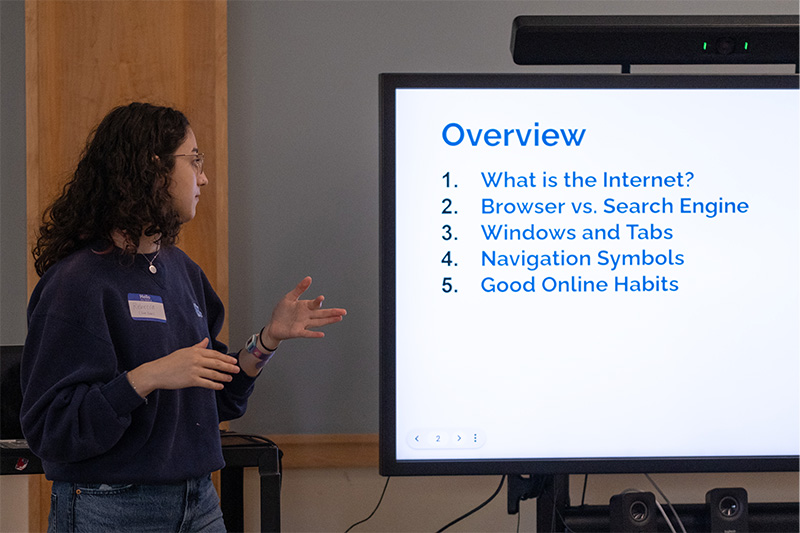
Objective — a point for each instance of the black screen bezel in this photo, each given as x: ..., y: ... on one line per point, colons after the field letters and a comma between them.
x: 389, y: 465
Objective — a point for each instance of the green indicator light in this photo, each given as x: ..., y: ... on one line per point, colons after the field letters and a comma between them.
x: 705, y: 45
x: 745, y: 45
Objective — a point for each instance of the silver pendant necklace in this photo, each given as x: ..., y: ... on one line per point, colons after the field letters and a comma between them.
x: 152, y: 268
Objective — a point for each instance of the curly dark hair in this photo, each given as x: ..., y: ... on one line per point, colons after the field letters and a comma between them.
x: 121, y: 183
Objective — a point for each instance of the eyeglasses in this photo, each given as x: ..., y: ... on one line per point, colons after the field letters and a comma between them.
x: 198, y: 161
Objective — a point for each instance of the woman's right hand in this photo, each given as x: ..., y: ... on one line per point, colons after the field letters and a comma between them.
x: 195, y: 366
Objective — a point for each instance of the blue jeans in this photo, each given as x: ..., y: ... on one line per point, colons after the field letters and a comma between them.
x: 183, y: 507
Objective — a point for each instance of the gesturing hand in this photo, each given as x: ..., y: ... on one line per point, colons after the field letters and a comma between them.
x: 195, y: 366
x: 294, y: 318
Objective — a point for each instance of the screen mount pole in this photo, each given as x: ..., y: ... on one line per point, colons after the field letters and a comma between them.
x: 551, y: 493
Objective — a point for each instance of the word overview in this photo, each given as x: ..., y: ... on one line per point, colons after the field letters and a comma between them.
x: 454, y: 134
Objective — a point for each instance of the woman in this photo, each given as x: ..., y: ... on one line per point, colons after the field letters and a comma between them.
x: 124, y: 381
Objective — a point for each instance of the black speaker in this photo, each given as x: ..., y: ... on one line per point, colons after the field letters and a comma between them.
x: 633, y: 511
x: 654, y: 40
x: 727, y: 510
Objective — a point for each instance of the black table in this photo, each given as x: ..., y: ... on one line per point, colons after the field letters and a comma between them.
x: 242, y: 451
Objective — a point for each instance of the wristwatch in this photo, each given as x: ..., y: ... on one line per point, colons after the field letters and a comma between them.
x: 252, y: 347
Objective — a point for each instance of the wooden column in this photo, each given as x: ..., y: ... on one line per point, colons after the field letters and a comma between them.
x: 85, y: 57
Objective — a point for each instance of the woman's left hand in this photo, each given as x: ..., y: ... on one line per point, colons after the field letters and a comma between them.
x: 295, y: 318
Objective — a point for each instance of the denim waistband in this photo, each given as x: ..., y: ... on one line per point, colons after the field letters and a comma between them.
x: 192, y: 505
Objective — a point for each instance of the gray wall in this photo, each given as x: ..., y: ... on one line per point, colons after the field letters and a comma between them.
x: 303, y: 115
x: 303, y: 152
x: 13, y: 252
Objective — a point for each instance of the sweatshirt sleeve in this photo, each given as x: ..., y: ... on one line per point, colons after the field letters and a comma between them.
x: 232, y: 400
x: 76, y: 403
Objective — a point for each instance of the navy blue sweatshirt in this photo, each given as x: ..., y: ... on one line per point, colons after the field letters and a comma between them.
x: 92, y: 317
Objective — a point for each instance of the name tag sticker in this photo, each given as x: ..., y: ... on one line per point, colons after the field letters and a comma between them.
x: 146, y: 307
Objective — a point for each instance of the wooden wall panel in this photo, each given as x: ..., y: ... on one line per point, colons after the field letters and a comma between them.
x: 83, y: 57
x: 328, y: 451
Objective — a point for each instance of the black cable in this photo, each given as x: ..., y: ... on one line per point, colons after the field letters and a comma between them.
x: 478, y: 508
x: 585, y: 482
x: 376, y: 507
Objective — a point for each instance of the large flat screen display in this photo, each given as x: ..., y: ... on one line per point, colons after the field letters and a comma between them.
x: 589, y: 273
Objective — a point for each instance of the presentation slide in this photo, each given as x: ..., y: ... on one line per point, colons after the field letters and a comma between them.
x: 596, y: 273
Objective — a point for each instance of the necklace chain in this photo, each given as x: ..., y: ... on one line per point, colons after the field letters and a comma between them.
x: 152, y: 268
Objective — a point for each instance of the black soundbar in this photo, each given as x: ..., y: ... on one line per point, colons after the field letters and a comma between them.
x: 655, y: 40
